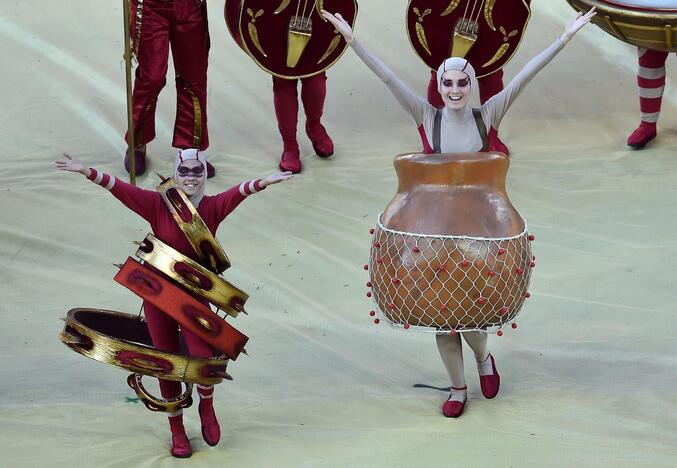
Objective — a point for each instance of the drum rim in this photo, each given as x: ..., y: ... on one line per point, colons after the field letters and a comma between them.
x: 648, y: 9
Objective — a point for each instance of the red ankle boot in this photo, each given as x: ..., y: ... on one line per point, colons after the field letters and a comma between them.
x: 291, y: 160
x: 490, y: 384
x: 180, y: 444
x: 642, y: 135
x: 322, y: 144
x: 211, y: 431
x: 139, y: 160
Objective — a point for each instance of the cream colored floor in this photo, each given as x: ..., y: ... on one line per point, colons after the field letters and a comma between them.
x: 588, y: 378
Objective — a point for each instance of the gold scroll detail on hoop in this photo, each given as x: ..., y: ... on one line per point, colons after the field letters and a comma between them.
x: 122, y: 340
x: 163, y: 405
x: 186, y: 216
x: 192, y: 275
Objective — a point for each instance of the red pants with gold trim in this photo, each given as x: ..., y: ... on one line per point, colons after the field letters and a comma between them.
x: 181, y: 24
x: 285, y: 98
x: 489, y: 86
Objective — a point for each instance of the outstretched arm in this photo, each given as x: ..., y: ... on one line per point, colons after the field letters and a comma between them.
x: 227, y: 201
x: 413, y: 104
x: 498, y: 105
x: 143, y: 202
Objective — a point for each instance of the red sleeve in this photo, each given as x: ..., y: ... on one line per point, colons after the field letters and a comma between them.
x: 226, y: 202
x: 140, y: 201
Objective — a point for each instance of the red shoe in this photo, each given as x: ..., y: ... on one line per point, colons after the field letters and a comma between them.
x: 495, y: 143
x: 291, y: 161
x: 322, y: 144
x: 642, y: 135
x: 181, y: 446
x: 211, y: 431
x: 211, y: 171
x: 453, y: 409
x: 490, y: 384
x: 139, y: 160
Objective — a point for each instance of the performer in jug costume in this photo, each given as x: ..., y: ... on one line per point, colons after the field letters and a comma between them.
x: 460, y: 130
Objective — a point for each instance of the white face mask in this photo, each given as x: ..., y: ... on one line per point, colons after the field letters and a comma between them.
x: 455, y: 89
x: 188, y: 177
x: 451, y: 82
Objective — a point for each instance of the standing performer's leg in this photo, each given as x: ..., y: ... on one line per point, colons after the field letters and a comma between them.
x: 165, y: 334
x: 313, y: 93
x: 211, y: 431
x: 451, y: 353
x: 490, y: 381
x: 491, y: 85
x: 152, y: 43
x: 190, y: 48
x: 285, y: 99
x: 651, y: 82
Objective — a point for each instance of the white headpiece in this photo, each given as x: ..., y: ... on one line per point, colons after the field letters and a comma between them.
x: 455, y: 63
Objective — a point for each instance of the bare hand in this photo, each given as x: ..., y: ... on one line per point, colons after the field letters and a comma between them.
x: 341, y: 25
x: 276, y: 178
x: 71, y: 165
x: 577, y: 23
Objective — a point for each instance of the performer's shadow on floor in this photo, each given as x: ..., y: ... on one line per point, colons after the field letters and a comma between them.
x: 441, y: 389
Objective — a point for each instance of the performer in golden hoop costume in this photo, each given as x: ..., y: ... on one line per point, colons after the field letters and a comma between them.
x: 460, y: 129
x: 190, y: 175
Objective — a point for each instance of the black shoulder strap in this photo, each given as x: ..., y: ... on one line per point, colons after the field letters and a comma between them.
x: 477, y: 113
x: 437, y: 132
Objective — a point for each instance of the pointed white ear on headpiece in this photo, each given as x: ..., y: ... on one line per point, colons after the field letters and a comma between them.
x: 455, y: 63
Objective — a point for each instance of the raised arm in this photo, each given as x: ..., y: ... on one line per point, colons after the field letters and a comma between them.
x: 497, y: 106
x: 145, y: 203
x: 415, y: 105
x: 227, y: 201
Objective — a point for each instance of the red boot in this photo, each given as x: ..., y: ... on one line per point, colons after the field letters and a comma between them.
x: 495, y: 143
x: 180, y: 444
x: 642, y: 135
x: 291, y: 160
x: 139, y: 160
x: 454, y: 408
x: 211, y: 431
x: 490, y: 384
x: 322, y: 144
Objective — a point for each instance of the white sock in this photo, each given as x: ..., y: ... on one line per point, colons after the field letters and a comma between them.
x: 458, y: 394
x: 485, y: 367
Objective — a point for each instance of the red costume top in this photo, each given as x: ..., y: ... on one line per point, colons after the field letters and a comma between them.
x: 149, y: 205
